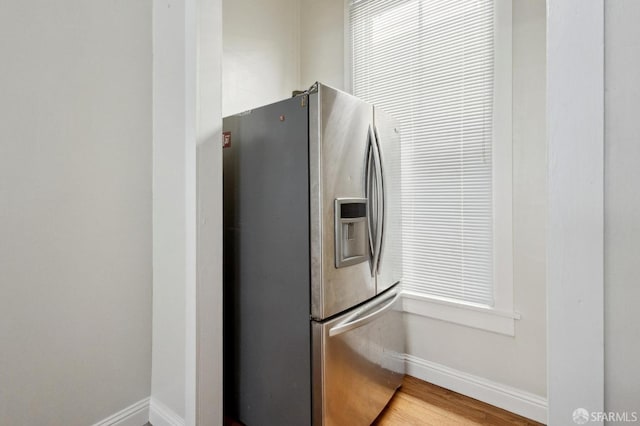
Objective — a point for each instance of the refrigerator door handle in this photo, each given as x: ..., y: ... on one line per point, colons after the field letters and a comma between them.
x: 364, y: 316
x: 372, y: 199
x: 368, y: 190
x: 379, y: 184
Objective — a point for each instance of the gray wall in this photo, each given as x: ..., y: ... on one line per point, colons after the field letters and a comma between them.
x: 622, y: 205
x: 75, y: 210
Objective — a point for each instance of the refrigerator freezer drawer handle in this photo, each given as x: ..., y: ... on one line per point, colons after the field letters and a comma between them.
x: 358, y: 321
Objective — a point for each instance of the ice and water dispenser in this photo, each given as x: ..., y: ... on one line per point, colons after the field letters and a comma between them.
x: 351, y: 231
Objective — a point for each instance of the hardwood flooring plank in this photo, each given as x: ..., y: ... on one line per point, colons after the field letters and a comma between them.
x: 423, y: 404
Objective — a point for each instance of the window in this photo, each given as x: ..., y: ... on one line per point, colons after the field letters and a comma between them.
x: 443, y: 68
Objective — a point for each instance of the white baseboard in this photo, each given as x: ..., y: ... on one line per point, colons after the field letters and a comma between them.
x: 161, y: 415
x: 511, y: 399
x: 134, y: 415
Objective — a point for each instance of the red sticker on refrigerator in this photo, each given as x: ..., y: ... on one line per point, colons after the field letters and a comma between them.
x: 226, y: 139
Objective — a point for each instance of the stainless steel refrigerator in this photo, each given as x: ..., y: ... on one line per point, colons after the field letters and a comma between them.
x: 312, y: 261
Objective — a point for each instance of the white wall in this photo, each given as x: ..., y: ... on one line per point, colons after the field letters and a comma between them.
x: 204, y: 390
x: 575, y: 248
x: 276, y: 46
x: 261, y: 52
x: 75, y: 210
x: 187, y: 213
x: 322, y: 35
x: 169, y: 205
x: 622, y: 205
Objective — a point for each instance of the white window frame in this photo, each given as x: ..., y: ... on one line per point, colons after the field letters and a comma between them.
x: 500, y: 317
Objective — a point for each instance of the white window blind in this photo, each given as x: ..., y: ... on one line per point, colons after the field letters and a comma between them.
x: 430, y: 63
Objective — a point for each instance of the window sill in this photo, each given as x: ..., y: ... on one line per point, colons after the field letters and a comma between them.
x: 468, y: 314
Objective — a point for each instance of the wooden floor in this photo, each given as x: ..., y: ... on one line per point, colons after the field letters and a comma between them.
x: 424, y: 404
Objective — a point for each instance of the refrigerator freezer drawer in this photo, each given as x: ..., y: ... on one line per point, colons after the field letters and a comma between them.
x: 357, y: 362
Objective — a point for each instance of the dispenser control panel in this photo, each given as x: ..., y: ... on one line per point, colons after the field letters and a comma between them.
x: 352, y: 234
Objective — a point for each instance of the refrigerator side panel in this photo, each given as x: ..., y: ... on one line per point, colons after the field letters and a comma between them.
x: 390, y: 263
x: 229, y: 295
x: 338, y: 141
x: 269, y: 284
